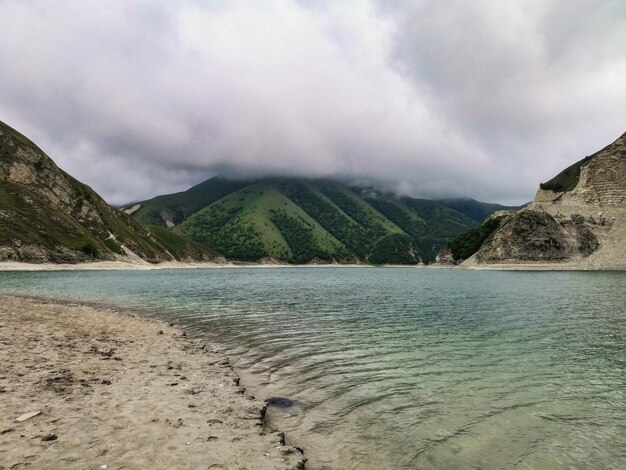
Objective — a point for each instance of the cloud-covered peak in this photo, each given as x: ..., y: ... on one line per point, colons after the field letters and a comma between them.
x: 482, y: 99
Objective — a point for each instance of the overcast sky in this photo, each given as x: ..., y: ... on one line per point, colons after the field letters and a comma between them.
x: 434, y: 98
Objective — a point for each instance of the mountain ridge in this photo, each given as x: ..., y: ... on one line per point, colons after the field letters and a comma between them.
x: 46, y: 215
x: 577, y: 219
x: 304, y: 220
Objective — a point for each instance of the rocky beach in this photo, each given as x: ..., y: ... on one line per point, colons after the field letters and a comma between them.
x: 85, y: 387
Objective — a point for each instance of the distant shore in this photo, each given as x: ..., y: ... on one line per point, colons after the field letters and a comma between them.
x: 85, y: 387
x: 145, y: 266
x: 136, y: 266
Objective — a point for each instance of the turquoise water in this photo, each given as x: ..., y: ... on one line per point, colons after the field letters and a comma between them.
x: 405, y: 368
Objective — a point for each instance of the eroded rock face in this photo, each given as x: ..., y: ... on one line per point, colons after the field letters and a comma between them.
x: 533, y: 235
x: 38, y: 254
x: 601, y: 181
x: 167, y: 218
x: 445, y: 257
x: 584, y: 222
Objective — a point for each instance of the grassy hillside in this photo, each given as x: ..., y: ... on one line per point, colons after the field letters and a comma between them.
x: 261, y: 221
x: 476, y: 210
x: 179, y: 247
x: 47, y: 215
x: 567, y: 179
x: 300, y: 220
x: 466, y: 244
x: 177, y: 207
x: 34, y: 223
x: 430, y: 224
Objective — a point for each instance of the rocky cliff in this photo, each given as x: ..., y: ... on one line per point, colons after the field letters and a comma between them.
x: 48, y: 216
x: 577, y: 218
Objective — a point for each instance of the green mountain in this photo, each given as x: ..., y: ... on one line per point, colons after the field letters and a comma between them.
x: 467, y: 243
x: 172, y: 209
x: 476, y: 210
x: 48, y: 216
x: 302, y: 220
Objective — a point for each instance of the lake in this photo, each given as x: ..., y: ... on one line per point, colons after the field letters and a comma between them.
x: 402, y: 367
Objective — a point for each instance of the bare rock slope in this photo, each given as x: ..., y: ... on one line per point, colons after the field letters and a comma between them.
x: 48, y: 216
x: 576, y: 219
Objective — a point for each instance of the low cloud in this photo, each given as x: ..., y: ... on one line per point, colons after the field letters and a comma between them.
x: 481, y: 99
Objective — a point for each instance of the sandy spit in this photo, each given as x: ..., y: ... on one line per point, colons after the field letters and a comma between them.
x: 144, y: 266
x: 128, y: 266
x: 543, y: 267
x: 84, y: 387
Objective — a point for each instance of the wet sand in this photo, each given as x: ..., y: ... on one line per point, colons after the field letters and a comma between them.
x: 108, y: 390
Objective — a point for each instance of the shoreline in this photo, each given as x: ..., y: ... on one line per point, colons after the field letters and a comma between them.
x: 7, y: 266
x: 113, y: 389
x: 14, y: 266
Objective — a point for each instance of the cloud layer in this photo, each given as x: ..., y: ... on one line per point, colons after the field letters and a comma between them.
x: 481, y: 98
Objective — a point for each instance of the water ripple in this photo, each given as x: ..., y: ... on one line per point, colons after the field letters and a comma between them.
x: 405, y: 368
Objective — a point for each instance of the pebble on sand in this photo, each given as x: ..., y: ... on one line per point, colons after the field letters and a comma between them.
x: 26, y: 416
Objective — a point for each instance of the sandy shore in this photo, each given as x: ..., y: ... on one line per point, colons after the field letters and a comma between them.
x: 542, y: 267
x: 105, y: 266
x: 133, y: 266
x: 107, y: 390
x: 143, y: 266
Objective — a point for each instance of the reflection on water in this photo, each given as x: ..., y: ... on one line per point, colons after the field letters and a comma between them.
x: 406, y: 368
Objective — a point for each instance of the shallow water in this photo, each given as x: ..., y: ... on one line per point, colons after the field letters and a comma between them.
x: 405, y: 368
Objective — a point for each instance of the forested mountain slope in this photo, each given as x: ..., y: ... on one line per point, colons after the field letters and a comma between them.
x: 303, y: 220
